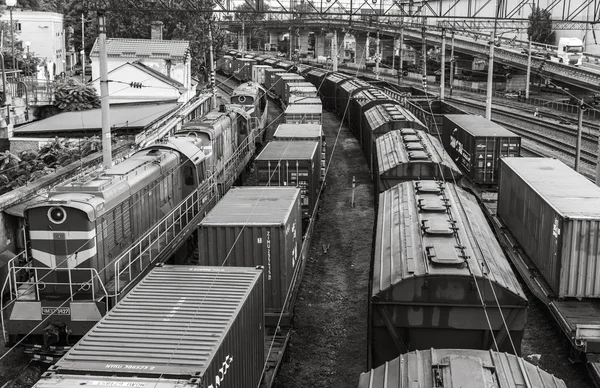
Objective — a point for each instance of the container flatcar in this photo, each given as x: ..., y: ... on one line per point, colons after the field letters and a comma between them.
x: 344, y: 94
x: 302, y: 89
x: 477, y: 144
x: 180, y: 326
x: 254, y: 226
x: 410, y: 154
x: 303, y: 114
x: 329, y: 88
x: 362, y: 101
x: 292, y: 163
x: 458, y: 368
x: 381, y: 119
x: 300, y: 100
x: 438, y: 275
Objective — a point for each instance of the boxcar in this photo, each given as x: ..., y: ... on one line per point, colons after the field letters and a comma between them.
x: 292, y: 163
x: 243, y: 69
x: 435, y: 264
x: 316, y: 76
x: 225, y: 64
x: 554, y: 214
x: 362, y: 101
x: 270, y: 78
x: 344, y: 94
x: 256, y: 226
x: 458, y: 368
x: 303, y: 114
x: 477, y: 144
x: 179, y: 324
x: 409, y: 154
x: 329, y: 88
x: 380, y: 119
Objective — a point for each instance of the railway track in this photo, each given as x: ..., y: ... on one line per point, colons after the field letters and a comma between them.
x: 222, y: 84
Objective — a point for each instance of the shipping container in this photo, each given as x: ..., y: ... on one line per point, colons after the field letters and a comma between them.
x: 458, y: 368
x: 271, y: 61
x: 435, y: 264
x: 225, y: 63
x: 344, y: 94
x: 303, y: 68
x: 316, y: 77
x: 302, y: 89
x: 243, y: 69
x: 362, y: 101
x: 298, y: 100
x: 411, y: 154
x: 299, y: 132
x: 286, y: 65
x: 477, y: 144
x: 303, y: 114
x: 261, y: 59
x: 329, y: 87
x: 270, y: 78
x: 380, y: 119
x: 554, y: 214
x: 282, y: 79
x: 179, y: 326
x: 254, y: 226
x: 258, y: 73
x: 292, y: 163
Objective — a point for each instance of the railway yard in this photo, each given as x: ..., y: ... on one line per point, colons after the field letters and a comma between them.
x: 380, y: 239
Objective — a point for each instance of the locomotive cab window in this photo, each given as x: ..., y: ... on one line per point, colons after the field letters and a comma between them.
x: 188, y: 175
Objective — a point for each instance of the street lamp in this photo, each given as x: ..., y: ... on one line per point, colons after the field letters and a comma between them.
x: 11, y: 4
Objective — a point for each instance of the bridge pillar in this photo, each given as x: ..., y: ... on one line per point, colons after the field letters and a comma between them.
x: 303, y: 41
x: 362, y: 49
x: 319, y: 45
x: 273, y: 40
x: 387, y: 48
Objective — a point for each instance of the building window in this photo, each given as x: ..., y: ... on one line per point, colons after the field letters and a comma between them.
x: 18, y: 26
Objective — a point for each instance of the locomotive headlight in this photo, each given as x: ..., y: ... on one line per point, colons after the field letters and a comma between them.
x: 57, y: 215
x: 242, y: 99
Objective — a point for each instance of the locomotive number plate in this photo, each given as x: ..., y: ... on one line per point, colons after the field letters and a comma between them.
x: 59, y: 311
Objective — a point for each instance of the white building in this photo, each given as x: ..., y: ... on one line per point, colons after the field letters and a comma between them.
x: 45, y: 32
x: 169, y: 57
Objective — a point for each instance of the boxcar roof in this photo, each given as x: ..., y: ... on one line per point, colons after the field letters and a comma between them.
x: 479, y: 126
x: 458, y: 368
x: 384, y: 113
x: 171, y: 323
x: 421, y: 227
x: 567, y: 191
x: 288, y: 150
x: 254, y: 205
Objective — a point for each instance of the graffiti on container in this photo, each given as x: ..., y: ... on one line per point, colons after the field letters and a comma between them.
x: 269, y: 255
x: 222, y: 372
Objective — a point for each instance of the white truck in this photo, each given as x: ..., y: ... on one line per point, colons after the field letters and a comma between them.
x: 569, y: 51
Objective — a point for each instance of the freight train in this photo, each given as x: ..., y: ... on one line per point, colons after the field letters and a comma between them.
x: 95, y: 235
x: 260, y: 226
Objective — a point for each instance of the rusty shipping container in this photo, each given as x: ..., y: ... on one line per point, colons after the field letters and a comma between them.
x: 180, y: 326
x: 554, y: 214
x: 477, y: 144
x: 254, y: 226
x: 411, y: 154
x: 380, y: 119
x: 433, y: 252
x: 344, y: 93
x: 458, y: 368
x: 292, y: 163
x: 303, y: 114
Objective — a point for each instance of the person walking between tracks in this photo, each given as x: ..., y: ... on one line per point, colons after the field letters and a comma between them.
x: 536, y: 113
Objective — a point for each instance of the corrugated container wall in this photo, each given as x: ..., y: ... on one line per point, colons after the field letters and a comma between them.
x: 258, y: 73
x: 554, y: 214
x: 302, y: 89
x: 256, y: 226
x: 282, y: 79
x: 244, y: 69
x: 476, y: 144
x: 328, y: 89
x: 270, y: 78
x: 303, y: 114
x: 292, y: 163
x: 299, y: 132
x: 179, y: 323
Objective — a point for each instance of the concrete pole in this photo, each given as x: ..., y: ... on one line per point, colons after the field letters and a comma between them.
x: 579, y: 130
x: 367, y: 51
x: 12, y: 39
x: 490, y: 79
x: 243, y: 37
x: 424, y: 49
x: 211, y: 58
x: 377, y: 55
x: 394, y: 53
x: 104, y: 97
x: 82, y: 49
x: 443, y: 67
x: 528, y: 77
x: 401, y: 52
x: 598, y: 164
x: 452, y: 63
x: 334, y: 51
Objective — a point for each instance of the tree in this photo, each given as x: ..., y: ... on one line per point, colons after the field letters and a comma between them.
x: 253, y: 27
x: 540, y: 26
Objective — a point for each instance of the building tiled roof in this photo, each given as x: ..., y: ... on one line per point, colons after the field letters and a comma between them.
x: 143, y: 48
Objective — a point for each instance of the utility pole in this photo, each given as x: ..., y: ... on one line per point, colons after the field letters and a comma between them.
x: 394, y: 53
x: 490, y: 79
x: 211, y: 58
x: 424, y: 56
x: 452, y: 63
x: 400, y: 58
x: 443, y: 67
x: 528, y: 76
x: 334, y: 49
x: 579, y: 130
x: 104, y: 97
x: 377, y: 56
x: 82, y: 49
x: 598, y: 164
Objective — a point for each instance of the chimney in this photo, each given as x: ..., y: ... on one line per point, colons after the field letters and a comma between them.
x: 156, y: 31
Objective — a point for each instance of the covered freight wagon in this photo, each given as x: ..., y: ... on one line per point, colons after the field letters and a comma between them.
x: 179, y: 324
x: 344, y: 94
x: 436, y: 262
x: 380, y: 119
x: 554, y: 214
x: 303, y: 114
x: 254, y: 226
x: 362, y: 101
x: 329, y: 87
x: 477, y: 144
x: 458, y: 368
x: 243, y: 69
x: 411, y: 154
x: 295, y: 164
x: 270, y: 78
x: 315, y: 76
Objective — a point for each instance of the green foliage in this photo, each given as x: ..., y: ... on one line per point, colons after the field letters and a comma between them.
x: 255, y: 31
x: 72, y: 95
x: 540, y: 26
